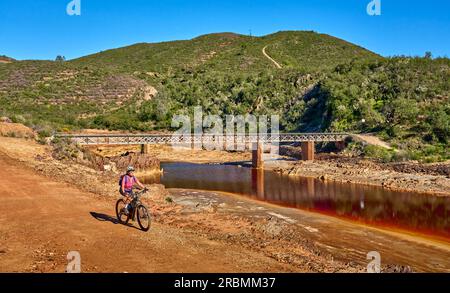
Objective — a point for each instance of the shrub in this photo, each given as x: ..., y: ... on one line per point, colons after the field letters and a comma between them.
x: 380, y: 153
x: 65, y: 149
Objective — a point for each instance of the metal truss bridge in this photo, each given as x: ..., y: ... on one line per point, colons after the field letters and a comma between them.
x: 144, y: 139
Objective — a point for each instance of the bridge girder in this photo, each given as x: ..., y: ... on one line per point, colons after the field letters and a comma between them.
x: 203, y: 139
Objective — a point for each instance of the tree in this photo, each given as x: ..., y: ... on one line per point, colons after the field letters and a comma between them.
x: 60, y: 58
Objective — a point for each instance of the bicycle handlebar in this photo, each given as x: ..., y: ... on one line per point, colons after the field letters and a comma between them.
x: 143, y: 191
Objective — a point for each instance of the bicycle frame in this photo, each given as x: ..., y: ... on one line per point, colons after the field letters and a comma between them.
x: 135, y: 203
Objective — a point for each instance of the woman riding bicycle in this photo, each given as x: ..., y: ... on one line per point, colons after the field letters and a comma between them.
x: 127, y: 182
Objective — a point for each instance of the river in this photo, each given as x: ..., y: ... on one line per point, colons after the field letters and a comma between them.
x: 419, y: 213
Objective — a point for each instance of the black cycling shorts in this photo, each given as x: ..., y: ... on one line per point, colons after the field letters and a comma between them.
x: 124, y: 193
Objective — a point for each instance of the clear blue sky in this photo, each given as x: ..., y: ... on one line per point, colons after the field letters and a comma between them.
x: 41, y: 29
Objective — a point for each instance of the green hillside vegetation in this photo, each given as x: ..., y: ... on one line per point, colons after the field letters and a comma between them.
x: 308, y: 51
x: 326, y: 84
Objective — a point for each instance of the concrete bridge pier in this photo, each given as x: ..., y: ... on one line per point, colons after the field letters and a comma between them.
x: 308, y: 151
x: 145, y: 149
x: 257, y: 156
x: 258, y: 183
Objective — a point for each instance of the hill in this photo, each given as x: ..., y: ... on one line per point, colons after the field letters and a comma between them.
x: 227, y: 51
x: 6, y: 59
x: 324, y: 84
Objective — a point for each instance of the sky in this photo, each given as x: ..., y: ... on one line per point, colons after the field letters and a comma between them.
x: 42, y: 29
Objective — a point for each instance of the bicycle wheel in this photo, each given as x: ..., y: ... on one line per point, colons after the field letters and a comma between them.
x: 121, y: 215
x: 143, y: 217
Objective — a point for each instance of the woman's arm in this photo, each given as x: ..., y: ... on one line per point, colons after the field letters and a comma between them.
x: 140, y: 184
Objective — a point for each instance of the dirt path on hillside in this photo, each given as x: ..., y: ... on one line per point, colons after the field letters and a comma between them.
x: 42, y: 220
x: 373, y: 140
x: 270, y: 58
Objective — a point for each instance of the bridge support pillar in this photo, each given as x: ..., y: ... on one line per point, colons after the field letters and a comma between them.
x: 145, y: 149
x: 257, y: 156
x: 340, y: 145
x: 258, y: 183
x: 308, y: 151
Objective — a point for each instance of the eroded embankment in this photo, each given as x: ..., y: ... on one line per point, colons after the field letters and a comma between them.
x: 144, y: 164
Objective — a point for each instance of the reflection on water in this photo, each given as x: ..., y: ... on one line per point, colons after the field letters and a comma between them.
x: 374, y: 205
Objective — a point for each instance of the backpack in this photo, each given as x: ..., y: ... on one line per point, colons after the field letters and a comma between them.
x: 121, y: 180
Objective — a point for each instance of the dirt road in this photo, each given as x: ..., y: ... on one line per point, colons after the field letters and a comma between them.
x: 270, y: 58
x: 372, y: 140
x: 41, y: 221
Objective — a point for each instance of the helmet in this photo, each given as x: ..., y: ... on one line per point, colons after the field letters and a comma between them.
x: 130, y: 169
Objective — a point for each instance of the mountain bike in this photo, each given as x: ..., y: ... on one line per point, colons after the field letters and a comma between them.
x: 138, y: 211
